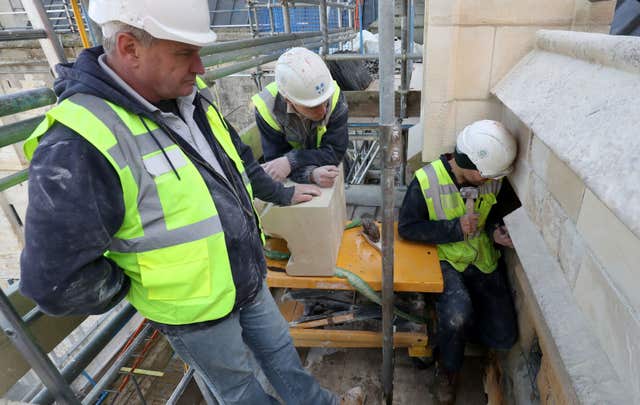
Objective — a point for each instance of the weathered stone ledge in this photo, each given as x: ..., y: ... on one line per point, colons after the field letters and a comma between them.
x: 578, y: 93
x: 620, y: 52
x: 579, y: 363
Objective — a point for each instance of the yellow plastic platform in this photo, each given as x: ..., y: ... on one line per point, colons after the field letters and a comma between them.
x: 416, y: 266
x: 416, y: 269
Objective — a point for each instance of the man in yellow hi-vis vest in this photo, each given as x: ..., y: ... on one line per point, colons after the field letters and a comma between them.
x: 140, y: 188
x: 302, y: 119
x: 476, y: 303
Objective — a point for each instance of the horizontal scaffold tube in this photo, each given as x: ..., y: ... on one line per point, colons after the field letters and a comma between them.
x: 26, y: 100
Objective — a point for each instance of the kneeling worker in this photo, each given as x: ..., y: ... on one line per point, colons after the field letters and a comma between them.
x: 476, y: 303
x: 302, y: 118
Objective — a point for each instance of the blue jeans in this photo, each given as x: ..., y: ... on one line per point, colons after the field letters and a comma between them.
x: 475, y: 307
x: 221, y: 354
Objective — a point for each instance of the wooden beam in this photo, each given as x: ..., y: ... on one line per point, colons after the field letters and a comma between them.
x: 366, y: 103
x: 353, y: 338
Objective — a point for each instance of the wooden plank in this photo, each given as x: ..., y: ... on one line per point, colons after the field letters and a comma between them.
x: 326, y: 321
x: 291, y: 310
x: 365, y: 103
x: 417, y: 267
x: 353, y: 338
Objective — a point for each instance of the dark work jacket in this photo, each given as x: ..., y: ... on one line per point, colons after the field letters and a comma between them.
x: 76, y: 206
x: 332, y: 148
x: 414, y: 223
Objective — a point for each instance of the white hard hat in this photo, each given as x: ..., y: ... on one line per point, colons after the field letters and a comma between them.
x: 303, y: 78
x: 186, y: 21
x: 489, y: 146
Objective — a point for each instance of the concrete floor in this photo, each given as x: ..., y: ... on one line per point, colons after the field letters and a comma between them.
x: 339, y: 370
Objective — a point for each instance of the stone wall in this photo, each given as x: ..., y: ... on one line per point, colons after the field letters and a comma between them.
x: 472, y: 44
x: 571, y: 104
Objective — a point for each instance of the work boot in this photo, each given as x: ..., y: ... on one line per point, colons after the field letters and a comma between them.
x: 445, y: 386
x: 354, y: 396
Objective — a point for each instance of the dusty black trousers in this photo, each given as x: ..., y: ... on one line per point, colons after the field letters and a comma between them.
x: 474, y: 307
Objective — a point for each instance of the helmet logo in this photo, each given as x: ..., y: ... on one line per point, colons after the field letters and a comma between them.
x: 482, y: 154
x: 320, y: 88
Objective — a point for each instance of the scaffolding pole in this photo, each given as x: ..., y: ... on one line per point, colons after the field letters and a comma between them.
x: 51, y: 46
x: 389, y: 158
x: 14, y: 329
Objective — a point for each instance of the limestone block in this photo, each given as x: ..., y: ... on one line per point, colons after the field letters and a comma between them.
x: 574, y: 353
x: 473, y: 62
x: 613, y: 245
x: 18, y: 196
x: 521, y: 12
x: 439, y: 68
x: 615, y: 324
x: 598, y: 29
x: 552, y: 221
x: 442, y: 12
x: 512, y: 43
x: 469, y: 111
x: 539, y: 157
x: 519, y: 130
x: 535, y: 199
x: 313, y: 230
x: 565, y: 186
x: 439, y: 129
x: 519, y: 179
x: 10, y: 248
x: 9, y: 159
x: 590, y: 12
x: 571, y: 251
x: 604, y: 69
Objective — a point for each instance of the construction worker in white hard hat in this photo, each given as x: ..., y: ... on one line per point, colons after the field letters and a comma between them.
x: 302, y: 118
x: 141, y: 189
x: 476, y: 303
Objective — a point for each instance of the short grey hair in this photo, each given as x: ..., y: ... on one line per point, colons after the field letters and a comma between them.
x: 111, y: 29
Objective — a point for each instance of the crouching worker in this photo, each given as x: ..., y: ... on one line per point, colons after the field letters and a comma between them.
x: 476, y: 303
x: 302, y: 119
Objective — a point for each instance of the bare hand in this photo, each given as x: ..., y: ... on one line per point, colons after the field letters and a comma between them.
x: 279, y: 169
x: 325, y: 176
x: 501, y: 236
x: 304, y: 192
x: 469, y: 223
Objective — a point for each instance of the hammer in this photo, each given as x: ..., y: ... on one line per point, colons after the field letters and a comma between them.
x: 469, y: 194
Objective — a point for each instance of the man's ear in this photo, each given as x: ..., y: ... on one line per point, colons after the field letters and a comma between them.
x: 128, y: 48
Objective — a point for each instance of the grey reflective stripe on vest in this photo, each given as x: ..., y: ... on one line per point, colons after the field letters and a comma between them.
x: 157, y: 164
x: 436, y: 189
x: 146, y: 144
x: 269, y: 100
x: 128, y: 152
x: 159, y: 237
x: 245, y: 178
